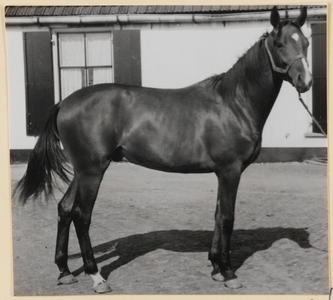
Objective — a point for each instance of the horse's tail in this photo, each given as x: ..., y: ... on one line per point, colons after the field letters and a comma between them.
x: 46, y: 160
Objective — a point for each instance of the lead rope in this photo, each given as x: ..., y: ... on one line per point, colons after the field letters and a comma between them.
x: 311, y: 115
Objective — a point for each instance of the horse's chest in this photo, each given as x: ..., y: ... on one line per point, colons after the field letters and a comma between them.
x: 227, y: 143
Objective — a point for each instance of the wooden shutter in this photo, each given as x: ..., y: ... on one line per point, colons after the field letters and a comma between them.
x: 127, y: 57
x: 39, y: 80
x: 319, y: 91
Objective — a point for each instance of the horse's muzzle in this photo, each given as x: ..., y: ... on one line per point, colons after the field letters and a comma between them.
x: 302, y: 83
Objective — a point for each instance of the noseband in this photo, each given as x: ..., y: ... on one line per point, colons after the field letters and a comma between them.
x: 277, y: 69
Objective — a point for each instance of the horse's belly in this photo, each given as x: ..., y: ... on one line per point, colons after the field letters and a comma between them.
x: 193, y: 167
x: 167, y: 158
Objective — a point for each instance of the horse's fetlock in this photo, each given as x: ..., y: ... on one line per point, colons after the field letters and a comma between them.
x: 225, y: 257
x: 64, y: 274
x: 90, y: 268
x: 214, y: 257
x: 228, y: 274
x: 213, y: 253
x: 60, y: 257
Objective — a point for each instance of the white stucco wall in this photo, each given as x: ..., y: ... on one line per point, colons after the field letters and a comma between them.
x: 173, y: 58
x: 18, y: 138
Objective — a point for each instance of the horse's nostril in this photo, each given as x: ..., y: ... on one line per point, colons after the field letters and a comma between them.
x: 304, y: 81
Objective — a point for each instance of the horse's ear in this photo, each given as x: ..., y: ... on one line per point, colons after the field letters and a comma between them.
x: 302, y: 17
x: 275, y: 17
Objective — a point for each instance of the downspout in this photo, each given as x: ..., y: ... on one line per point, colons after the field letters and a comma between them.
x: 319, y: 13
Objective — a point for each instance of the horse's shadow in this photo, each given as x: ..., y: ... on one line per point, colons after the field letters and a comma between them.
x: 244, y: 244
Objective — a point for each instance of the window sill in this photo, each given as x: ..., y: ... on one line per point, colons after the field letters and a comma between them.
x: 312, y: 135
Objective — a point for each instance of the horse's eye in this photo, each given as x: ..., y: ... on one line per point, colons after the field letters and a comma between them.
x: 279, y: 44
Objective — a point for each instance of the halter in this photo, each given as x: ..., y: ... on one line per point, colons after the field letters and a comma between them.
x: 277, y: 69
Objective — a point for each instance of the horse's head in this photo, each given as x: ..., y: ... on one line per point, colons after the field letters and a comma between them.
x: 287, y: 49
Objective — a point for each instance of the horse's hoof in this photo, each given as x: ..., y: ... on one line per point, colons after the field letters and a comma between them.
x: 233, y: 284
x: 102, y: 288
x: 217, y: 276
x: 68, y: 279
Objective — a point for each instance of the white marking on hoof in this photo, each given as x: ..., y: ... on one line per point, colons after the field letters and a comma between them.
x: 100, y: 285
x: 97, y: 278
x: 233, y: 284
x: 102, y: 288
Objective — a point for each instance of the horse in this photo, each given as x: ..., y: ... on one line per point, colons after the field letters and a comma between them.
x: 214, y: 125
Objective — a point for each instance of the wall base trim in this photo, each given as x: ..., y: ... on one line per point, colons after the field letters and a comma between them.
x: 289, y: 154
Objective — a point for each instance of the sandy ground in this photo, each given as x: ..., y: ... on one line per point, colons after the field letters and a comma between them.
x: 151, y: 233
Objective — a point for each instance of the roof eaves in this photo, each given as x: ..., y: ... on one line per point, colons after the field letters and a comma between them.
x: 32, y: 11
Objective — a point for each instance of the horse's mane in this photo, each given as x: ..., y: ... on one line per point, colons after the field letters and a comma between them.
x: 246, y: 67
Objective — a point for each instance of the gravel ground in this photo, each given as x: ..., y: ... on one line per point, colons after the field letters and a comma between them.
x: 151, y: 233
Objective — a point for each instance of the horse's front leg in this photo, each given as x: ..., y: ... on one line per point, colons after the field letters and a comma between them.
x: 219, y: 254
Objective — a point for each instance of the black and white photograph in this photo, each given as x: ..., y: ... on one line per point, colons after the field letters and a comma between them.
x: 168, y: 149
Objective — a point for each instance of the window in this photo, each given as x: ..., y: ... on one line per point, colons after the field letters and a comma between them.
x: 84, y: 59
x: 81, y: 59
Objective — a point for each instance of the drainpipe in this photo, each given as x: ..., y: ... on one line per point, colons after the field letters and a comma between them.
x: 316, y: 13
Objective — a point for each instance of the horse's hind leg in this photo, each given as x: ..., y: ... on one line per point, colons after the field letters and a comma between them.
x: 65, y: 207
x: 87, y: 188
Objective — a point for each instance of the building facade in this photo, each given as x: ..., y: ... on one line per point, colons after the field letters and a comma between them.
x: 53, y: 51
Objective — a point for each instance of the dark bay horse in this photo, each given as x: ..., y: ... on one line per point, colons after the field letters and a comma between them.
x: 212, y: 126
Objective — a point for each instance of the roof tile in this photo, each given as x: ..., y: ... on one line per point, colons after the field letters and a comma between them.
x: 21, y: 11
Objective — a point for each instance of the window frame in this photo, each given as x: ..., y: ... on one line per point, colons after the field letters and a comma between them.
x: 56, y: 57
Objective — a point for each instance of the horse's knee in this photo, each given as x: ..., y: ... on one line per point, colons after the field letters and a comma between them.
x: 227, y: 224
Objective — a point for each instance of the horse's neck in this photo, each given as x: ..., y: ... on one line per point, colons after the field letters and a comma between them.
x: 256, y: 83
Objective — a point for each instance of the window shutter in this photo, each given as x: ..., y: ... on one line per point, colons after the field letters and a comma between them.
x: 127, y: 57
x: 319, y: 92
x: 39, y: 80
